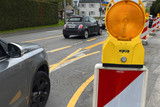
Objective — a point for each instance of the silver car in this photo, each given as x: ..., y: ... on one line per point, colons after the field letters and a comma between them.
x: 24, y: 75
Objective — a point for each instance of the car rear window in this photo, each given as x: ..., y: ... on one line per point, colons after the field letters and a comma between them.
x: 75, y: 19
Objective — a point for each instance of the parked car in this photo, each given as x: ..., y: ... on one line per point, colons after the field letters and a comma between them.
x: 103, y: 24
x: 24, y: 75
x: 82, y: 26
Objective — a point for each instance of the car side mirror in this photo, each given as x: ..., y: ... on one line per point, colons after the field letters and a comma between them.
x: 15, y: 50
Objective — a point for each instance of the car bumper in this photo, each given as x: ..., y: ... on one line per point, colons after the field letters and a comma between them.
x: 79, y: 32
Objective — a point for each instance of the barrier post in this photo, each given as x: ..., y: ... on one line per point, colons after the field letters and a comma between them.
x: 158, y: 22
x: 121, y: 79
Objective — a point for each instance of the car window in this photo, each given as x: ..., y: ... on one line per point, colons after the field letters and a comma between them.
x: 92, y: 20
x: 75, y: 19
x: 4, y: 44
x: 86, y: 19
x: 2, y: 52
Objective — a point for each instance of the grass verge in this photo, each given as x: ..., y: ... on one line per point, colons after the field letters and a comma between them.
x: 60, y: 23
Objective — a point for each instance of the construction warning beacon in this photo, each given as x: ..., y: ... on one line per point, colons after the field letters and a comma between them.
x: 124, y: 21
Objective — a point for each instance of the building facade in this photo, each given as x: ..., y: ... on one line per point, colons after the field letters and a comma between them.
x: 90, y: 8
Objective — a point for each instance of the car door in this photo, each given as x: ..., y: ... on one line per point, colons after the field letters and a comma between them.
x: 88, y: 24
x: 13, y: 81
x: 94, y: 25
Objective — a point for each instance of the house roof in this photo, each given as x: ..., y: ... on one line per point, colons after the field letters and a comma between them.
x: 69, y: 7
x: 89, y: 1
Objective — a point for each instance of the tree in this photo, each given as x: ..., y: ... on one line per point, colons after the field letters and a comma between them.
x: 155, y: 8
x: 147, y: 10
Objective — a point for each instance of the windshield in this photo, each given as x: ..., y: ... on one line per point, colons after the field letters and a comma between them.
x: 75, y: 19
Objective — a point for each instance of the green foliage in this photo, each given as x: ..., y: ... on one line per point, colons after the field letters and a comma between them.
x: 19, y: 14
x: 147, y: 10
x: 155, y: 8
x: 61, y: 2
x: 60, y: 23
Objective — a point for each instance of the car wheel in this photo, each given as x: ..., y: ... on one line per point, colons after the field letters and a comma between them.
x: 66, y: 36
x: 40, y: 90
x: 100, y: 32
x: 85, y: 34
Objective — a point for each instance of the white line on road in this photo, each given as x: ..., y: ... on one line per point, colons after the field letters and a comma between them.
x: 157, y: 70
x: 51, y: 31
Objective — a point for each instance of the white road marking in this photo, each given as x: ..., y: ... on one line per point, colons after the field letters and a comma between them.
x: 154, y: 100
x: 157, y: 70
x: 82, y: 52
x: 51, y: 31
x: 78, y: 43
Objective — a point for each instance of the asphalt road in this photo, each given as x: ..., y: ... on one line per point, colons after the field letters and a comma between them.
x: 72, y: 64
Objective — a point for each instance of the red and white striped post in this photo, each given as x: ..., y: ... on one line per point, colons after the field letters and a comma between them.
x: 158, y: 23
x: 154, y: 25
x: 145, y: 33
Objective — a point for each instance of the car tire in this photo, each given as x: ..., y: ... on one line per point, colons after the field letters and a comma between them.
x: 86, y: 34
x: 66, y: 36
x: 40, y: 90
x: 100, y: 31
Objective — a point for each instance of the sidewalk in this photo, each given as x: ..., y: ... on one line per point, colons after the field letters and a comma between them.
x: 30, y: 31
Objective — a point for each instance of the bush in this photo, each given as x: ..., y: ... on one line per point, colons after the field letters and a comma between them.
x: 23, y: 13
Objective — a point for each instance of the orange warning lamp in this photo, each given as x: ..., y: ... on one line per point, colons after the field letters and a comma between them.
x: 124, y: 21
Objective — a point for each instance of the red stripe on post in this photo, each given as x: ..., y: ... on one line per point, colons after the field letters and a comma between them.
x: 145, y: 29
x: 153, y: 30
x: 144, y: 38
x: 154, y: 25
x: 155, y: 19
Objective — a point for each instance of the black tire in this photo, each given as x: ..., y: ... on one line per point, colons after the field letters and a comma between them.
x: 40, y: 90
x: 100, y: 31
x: 86, y: 34
x: 66, y: 36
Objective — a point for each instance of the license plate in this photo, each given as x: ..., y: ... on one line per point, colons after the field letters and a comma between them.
x: 72, y: 25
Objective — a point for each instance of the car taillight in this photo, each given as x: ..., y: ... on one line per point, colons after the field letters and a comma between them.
x: 64, y: 26
x: 80, y: 26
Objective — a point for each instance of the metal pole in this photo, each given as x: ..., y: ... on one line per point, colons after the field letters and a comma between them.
x: 100, y: 7
x: 76, y: 7
x: 64, y: 11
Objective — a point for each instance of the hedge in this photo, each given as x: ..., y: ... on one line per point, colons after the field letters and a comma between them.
x: 24, y: 13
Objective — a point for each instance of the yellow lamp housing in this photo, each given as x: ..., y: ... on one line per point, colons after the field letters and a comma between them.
x: 124, y: 21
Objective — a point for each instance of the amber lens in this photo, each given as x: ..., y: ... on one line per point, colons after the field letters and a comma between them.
x: 125, y: 20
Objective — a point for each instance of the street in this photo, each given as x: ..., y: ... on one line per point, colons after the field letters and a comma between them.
x: 72, y: 64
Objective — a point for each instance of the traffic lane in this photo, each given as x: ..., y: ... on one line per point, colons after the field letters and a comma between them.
x: 32, y: 36
x: 52, y: 44
x: 65, y: 81
x: 55, y: 57
x: 57, y: 41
